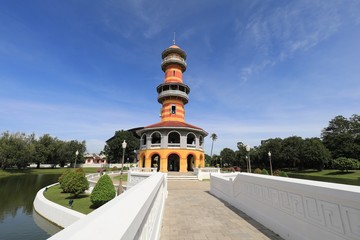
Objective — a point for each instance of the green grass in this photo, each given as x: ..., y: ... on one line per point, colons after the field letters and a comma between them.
x: 117, y: 178
x: 15, y: 172
x: 81, y: 204
x: 352, y: 177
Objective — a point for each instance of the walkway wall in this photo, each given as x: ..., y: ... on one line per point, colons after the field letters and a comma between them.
x: 135, y: 214
x: 293, y: 208
x: 53, y: 212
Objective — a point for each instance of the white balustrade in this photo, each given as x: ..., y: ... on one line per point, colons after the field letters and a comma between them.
x: 135, y: 214
x: 204, y: 173
x: 295, y: 209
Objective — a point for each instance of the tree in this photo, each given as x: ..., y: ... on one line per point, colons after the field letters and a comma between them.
x: 103, y: 191
x: 15, y: 150
x: 314, y: 154
x: 213, y: 137
x: 345, y: 164
x: 290, y: 152
x: 274, y: 146
x: 113, y: 148
x: 208, y: 160
x: 228, y: 156
x: 342, y: 137
x: 240, y: 154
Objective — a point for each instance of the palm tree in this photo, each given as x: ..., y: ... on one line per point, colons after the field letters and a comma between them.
x: 213, y: 136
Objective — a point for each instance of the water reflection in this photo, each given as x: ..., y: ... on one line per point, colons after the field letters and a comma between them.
x: 16, y: 206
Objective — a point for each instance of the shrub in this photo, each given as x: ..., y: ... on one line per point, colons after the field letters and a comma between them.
x: 103, y: 191
x: 265, y: 172
x: 63, y: 177
x: 74, y: 182
x: 80, y: 171
x: 232, y: 169
x: 277, y: 172
x: 257, y: 171
x: 114, y: 168
x: 238, y: 169
x: 283, y: 174
x: 345, y: 164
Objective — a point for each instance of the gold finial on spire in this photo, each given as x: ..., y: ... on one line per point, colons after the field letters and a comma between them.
x: 174, y: 38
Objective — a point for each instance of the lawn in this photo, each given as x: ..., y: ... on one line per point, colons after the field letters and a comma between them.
x: 81, y: 204
x: 14, y: 172
x: 117, y: 178
x: 335, y: 176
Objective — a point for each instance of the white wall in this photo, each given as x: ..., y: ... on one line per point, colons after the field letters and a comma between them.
x: 55, y: 213
x: 135, y: 214
x: 294, y: 208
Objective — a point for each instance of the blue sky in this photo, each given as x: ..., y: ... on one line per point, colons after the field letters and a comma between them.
x: 83, y: 69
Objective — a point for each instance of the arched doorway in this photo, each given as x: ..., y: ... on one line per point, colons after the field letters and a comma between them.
x: 155, y: 161
x: 143, y: 162
x: 190, y: 163
x: 173, y: 163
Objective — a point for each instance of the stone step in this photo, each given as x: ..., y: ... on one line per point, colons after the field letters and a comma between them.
x: 182, y: 178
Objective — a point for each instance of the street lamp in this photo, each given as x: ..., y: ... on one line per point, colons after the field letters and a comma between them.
x: 135, y: 156
x: 76, y: 153
x: 269, y: 154
x: 120, y: 187
x: 248, y: 151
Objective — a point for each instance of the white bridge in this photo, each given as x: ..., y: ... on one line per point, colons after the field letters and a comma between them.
x: 293, y: 208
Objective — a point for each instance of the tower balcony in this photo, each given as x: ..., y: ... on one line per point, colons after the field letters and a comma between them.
x: 173, y: 60
x: 173, y: 93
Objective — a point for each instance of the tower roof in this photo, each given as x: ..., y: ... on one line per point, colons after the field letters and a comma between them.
x: 173, y: 124
x: 173, y: 49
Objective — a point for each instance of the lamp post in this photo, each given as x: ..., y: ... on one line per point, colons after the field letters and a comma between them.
x: 135, y: 156
x: 247, y: 163
x: 269, y: 154
x: 248, y: 151
x: 120, y: 187
x: 76, y: 156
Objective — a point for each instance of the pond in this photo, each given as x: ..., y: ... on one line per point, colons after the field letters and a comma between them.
x: 18, y: 220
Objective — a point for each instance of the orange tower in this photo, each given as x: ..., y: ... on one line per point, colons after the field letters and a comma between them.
x: 172, y: 144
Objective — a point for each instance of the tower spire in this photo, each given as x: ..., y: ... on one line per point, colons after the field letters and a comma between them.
x: 174, y: 38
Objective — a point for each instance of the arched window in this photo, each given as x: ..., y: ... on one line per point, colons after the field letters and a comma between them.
x: 191, y: 139
x: 143, y: 140
x: 174, y: 137
x: 155, y: 139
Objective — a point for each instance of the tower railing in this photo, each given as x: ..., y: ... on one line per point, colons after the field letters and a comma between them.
x: 173, y: 145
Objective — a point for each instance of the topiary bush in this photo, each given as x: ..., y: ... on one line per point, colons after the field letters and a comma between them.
x: 283, y: 174
x: 63, y: 177
x: 103, y: 191
x: 265, y: 172
x: 277, y: 172
x: 257, y: 171
x: 74, y: 182
x: 80, y: 171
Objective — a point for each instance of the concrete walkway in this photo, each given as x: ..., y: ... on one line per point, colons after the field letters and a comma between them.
x: 191, y: 212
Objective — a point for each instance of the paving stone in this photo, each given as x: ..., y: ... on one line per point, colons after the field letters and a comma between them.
x: 191, y: 212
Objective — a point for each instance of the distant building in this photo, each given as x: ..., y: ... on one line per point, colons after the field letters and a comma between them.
x: 95, y: 158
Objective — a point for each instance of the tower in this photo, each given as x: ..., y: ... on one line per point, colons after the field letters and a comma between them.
x: 172, y: 144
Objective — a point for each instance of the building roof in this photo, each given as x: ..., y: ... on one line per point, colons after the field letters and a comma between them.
x: 173, y: 124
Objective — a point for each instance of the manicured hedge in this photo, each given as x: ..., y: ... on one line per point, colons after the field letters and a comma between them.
x: 103, y: 191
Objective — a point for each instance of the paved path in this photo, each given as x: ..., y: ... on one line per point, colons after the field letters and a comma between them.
x: 191, y: 212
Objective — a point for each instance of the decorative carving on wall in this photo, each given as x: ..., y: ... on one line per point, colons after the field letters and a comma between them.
x: 331, y: 216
